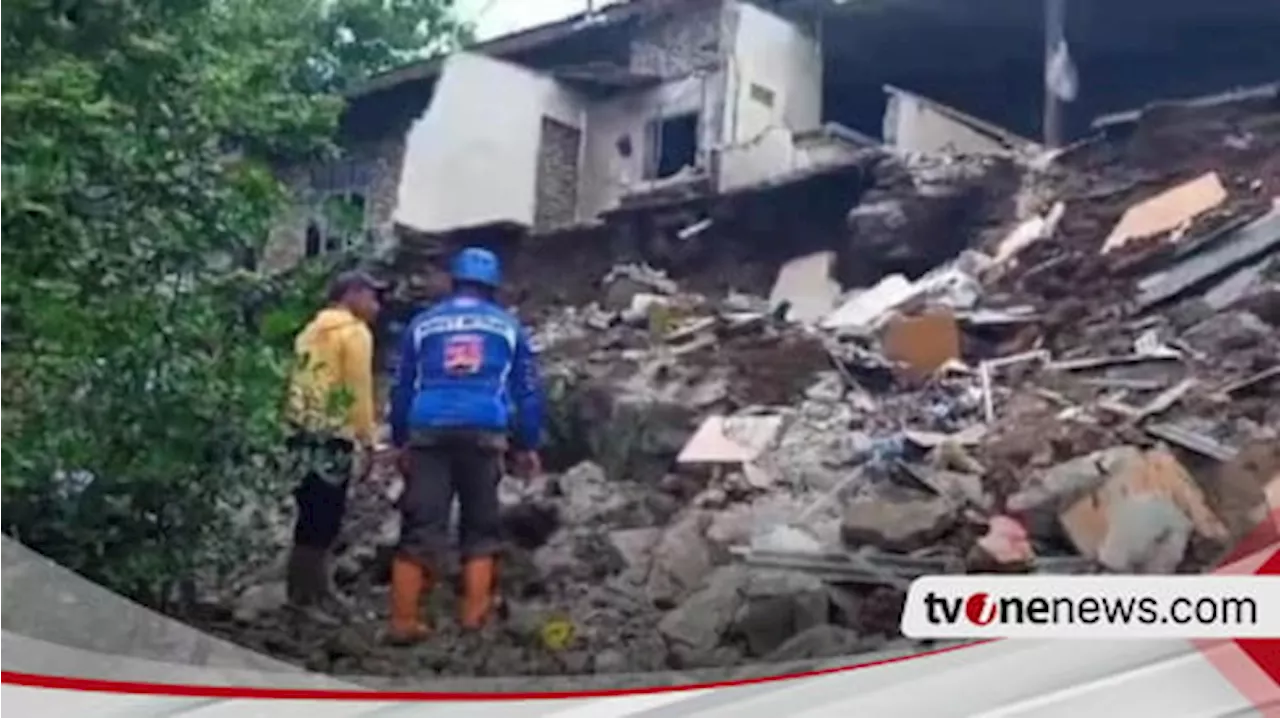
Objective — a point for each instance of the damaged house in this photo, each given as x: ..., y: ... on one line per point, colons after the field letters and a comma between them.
x: 553, y: 126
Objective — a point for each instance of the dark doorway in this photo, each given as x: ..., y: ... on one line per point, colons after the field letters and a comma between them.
x: 673, y: 144
x: 314, y: 241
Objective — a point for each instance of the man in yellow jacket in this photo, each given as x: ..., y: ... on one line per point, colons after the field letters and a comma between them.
x: 333, y: 432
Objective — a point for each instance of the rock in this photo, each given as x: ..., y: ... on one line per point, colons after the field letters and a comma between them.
x: 1158, y: 474
x: 610, y: 661
x: 786, y: 539
x: 718, y: 657
x: 589, y: 497
x: 257, y: 601
x: 1147, y: 535
x: 1043, y: 496
x: 556, y: 559
x: 1228, y: 332
x: 825, y: 641
x: 531, y: 524
x: 1006, y: 546
x: 699, y: 623
x: 958, y: 488
x: 829, y: 388
x: 355, y: 561
x: 712, y: 498
x: 778, y: 605
x: 902, y: 525
x: 731, y: 527
x: 636, y: 546
x: 681, y: 560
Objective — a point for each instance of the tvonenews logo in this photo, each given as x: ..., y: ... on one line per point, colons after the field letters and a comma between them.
x: 1093, y: 607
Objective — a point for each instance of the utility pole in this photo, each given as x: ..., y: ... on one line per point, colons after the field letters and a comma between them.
x: 1055, y: 15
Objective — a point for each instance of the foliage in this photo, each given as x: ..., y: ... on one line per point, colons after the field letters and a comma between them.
x: 144, y: 372
x: 364, y: 38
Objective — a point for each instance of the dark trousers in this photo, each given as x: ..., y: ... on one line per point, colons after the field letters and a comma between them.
x: 324, y: 464
x: 444, y: 465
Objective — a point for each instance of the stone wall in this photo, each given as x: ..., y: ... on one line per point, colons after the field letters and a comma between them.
x: 679, y: 43
x: 369, y: 168
x: 556, y: 188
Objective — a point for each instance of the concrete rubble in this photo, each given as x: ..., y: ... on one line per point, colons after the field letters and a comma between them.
x: 738, y: 477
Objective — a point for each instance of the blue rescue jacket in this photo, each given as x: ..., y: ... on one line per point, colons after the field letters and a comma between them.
x: 466, y: 363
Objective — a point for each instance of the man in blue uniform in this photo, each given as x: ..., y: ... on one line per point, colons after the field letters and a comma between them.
x: 467, y: 381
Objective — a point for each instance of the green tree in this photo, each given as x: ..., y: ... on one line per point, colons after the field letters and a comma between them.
x: 141, y: 400
x: 364, y: 37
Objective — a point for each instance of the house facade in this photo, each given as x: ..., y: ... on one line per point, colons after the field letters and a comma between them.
x: 554, y: 126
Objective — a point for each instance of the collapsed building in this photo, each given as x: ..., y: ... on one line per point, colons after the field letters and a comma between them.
x: 778, y: 400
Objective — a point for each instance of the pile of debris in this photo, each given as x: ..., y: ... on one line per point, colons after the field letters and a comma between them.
x: 741, y: 479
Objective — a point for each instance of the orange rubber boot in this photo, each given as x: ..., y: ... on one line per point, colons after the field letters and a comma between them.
x: 409, y: 581
x: 477, y: 592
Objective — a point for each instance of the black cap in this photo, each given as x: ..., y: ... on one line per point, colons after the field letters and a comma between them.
x: 354, y: 279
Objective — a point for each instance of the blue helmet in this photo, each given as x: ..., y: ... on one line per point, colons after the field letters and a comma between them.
x: 474, y: 264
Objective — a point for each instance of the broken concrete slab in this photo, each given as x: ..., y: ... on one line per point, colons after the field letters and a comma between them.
x: 922, y: 342
x: 968, y: 436
x: 901, y: 525
x: 805, y: 284
x: 1167, y: 211
x: 1029, y: 232
x: 1157, y: 473
x: 1145, y: 535
x: 860, y: 312
x: 730, y: 440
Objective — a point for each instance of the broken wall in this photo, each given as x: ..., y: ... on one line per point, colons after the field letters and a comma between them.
x: 472, y: 159
x: 774, y: 75
x: 368, y: 168
x: 681, y: 46
x: 615, y: 145
x: 774, y: 92
x: 914, y: 124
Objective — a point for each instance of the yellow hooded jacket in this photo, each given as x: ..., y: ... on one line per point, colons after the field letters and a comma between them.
x: 332, y: 386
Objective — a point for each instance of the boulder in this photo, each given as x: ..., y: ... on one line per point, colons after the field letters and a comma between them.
x: 681, y: 559
x: 777, y: 606
x: 1045, y: 495
x: 589, y: 497
x: 1228, y: 332
x: 824, y: 641
x: 1146, y: 535
x: 898, y: 525
x: 259, y: 600
x: 698, y: 625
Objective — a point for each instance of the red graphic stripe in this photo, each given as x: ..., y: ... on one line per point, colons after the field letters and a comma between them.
x: 36, y: 680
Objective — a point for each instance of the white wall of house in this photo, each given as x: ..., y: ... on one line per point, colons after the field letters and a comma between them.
x: 774, y: 75
x: 608, y: 174
x: 471, y: 159
x: 914, y: 124
x: 773, y: 93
